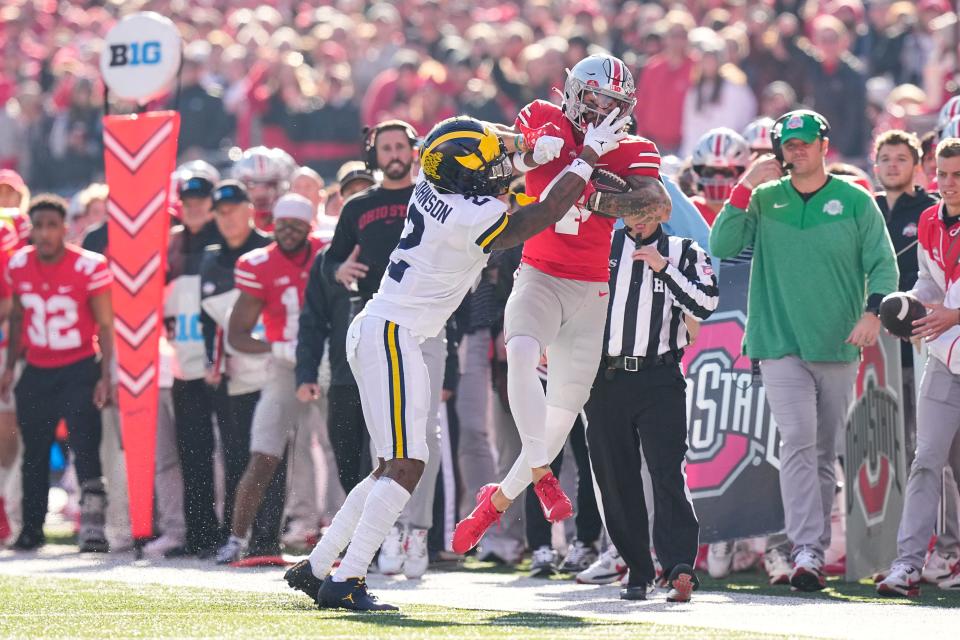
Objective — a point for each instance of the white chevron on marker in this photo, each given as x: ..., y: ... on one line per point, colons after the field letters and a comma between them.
x: 133, y: 283
x: 134, y: 162
x: 135, y: 337
x: 132, y: 225
x: 135, y: 385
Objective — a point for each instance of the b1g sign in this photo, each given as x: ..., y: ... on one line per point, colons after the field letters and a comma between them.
x: 875, y: 464
x: 141, y: 57
x: 733, y: 464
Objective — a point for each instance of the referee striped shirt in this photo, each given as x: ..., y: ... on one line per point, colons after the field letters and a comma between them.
x: 646, y: 309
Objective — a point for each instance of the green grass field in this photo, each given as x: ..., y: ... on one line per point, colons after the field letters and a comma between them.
x: 48, y: 608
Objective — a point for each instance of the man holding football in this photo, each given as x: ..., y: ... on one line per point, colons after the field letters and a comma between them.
x: 559, y: 301
x: 938, y: 400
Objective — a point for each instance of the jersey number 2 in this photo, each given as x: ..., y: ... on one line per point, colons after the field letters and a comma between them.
x: 412, y: 236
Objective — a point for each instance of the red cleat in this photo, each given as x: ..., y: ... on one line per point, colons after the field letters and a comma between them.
x: 554, y: 502
x: 468, y: 531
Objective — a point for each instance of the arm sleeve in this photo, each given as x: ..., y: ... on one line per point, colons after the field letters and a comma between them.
x: 246, y: 278
x: 926, y: 289
x: 694, y: 288
x: 344, y: 239
x: 314, y: 325
x: 877, y: 256
x: 736, y: 226
x: 643, y: 158
x: 100, y: 278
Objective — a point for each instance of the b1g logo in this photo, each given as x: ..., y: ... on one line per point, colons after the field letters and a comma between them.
x: 730, y: 427
x: 873, y: 440
x: 135, y: 54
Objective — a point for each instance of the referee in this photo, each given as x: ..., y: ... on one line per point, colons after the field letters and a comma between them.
x: 639, y: 397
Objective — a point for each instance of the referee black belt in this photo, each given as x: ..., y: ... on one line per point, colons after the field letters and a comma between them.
x: 637, y: 363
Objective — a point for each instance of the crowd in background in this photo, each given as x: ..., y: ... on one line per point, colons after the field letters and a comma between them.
x: 307, y: 78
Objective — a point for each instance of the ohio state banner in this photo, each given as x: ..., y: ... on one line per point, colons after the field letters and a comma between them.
x: 733, y: 464
x: 139, y: 157
x: 875, y: 461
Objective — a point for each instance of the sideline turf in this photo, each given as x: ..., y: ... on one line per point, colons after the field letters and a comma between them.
x: 53, y: 608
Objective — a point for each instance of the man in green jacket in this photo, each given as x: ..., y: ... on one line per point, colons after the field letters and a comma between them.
x: 822, y: 262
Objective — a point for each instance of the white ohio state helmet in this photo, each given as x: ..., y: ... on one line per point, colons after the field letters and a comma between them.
x: 260, y: 164
x: 757, y: 134
x: 604, y: 75
x: 948, y: 112
x: 951, y: 129
x: 719, y: 159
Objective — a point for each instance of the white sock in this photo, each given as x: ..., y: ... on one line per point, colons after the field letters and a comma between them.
x: 383, y: 507
x: 338, y: 533
x: 559, y: 422
x: 528, y: 403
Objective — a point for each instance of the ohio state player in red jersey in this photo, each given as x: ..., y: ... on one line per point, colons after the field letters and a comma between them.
x: 271, y: 282
x: 61, y: 311
x: 559, y: 301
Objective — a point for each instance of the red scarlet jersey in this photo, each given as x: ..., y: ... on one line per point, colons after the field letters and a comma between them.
x: 706, y: 212
x: 58, y: 322
x: 278, y: 281
x: 578, y: 246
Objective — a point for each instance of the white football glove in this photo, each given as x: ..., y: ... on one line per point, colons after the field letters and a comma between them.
x: 606, y: 136
x: 285, y: 352
x: 546, y: 149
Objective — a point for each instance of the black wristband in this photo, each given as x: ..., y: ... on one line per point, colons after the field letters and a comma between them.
x: 873, y: 303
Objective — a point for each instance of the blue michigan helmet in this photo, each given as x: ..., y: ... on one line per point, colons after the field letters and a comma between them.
x: 460, y: 155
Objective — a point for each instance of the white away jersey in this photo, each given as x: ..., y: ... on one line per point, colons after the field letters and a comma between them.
x: 444, y: 247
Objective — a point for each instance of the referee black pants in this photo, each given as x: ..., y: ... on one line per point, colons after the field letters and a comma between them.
x: 348, y: 435
x: 626, y: 411
x: 44, y: 396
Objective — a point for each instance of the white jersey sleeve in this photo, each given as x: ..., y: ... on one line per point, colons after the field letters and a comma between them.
x: 444, y: 247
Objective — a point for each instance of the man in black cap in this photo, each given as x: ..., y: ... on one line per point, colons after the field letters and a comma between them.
x: 192, y: 398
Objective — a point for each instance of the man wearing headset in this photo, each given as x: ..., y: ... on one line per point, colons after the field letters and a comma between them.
x: 822, y: 262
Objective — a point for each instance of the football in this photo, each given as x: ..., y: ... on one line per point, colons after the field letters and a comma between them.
x: 898, y: 312
x: 605, y: 181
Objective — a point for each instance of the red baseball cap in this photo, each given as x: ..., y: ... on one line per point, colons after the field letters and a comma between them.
x: 12, y: 178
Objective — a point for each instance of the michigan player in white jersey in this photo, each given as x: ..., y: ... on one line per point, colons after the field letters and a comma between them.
x: 454, y: 220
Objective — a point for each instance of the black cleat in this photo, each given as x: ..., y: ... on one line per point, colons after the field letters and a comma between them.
x: 635, y: 592
x: 350, y: 594
x: 28, y: 541
x: 300, y: 577
x: 682, y: 582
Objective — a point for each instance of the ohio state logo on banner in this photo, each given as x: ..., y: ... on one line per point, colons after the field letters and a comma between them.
x: 732, y: 427
x: 733, y: 444
x: 875, y: 461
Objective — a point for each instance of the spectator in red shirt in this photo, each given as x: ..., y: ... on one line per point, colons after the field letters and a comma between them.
x: 664, y: 83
